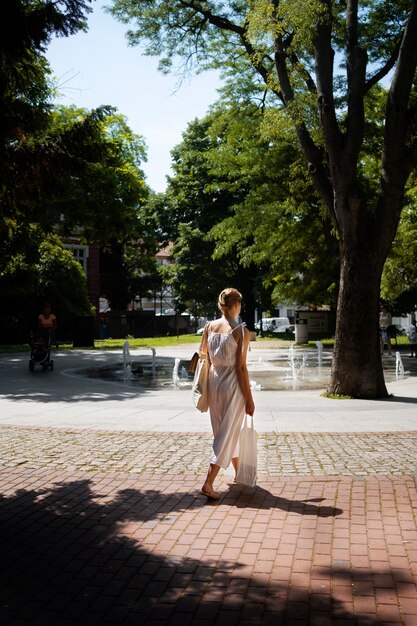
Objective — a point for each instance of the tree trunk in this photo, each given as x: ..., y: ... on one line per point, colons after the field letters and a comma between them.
x: 357, y: 367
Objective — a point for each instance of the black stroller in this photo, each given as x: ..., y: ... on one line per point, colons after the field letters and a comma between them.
x: 40, y: 349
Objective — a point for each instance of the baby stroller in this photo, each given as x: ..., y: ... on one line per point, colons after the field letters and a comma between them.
x: 40, y: 349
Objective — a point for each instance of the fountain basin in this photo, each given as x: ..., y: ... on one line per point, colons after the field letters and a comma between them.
x: 273, y: 371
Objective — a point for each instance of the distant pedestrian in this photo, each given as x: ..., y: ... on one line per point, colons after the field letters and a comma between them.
x: 412, y: 337
x: 385, y: 320
x: 47, y: 319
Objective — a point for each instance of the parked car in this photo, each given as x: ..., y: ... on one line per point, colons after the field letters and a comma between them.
x: 275, y: 325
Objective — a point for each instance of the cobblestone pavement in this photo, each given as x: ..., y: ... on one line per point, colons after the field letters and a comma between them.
x: 280, y: 454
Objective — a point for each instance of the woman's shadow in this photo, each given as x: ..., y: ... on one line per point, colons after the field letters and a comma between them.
x: 259, y: 498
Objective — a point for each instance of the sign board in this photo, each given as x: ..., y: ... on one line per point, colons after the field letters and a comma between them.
x: 320, y: 323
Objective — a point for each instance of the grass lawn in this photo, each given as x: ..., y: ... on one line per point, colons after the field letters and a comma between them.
x: 155, y: 342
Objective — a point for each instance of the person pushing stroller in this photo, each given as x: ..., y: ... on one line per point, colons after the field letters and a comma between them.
x: 47, y: 320
x: 41, y: 340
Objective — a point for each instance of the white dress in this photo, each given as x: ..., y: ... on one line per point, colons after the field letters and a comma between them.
x: 226, y: 400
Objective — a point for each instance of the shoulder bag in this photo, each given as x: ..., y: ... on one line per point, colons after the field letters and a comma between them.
x: 199, y: 387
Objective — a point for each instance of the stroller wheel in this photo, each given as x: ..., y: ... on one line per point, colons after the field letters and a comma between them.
x: 31, y: 365
x: 51, y: 364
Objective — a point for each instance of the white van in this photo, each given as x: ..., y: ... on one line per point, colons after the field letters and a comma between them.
x: 275, y: 325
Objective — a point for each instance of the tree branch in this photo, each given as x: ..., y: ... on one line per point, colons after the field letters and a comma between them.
x: 308, y: 79
x: 384, y: 70
x: 397, y: 122
x: 311, y: 152
x: 223, y: 23
x: 356, y: 61
x: 324, y: 58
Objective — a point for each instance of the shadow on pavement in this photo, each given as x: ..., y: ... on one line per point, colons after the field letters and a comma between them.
x: 259, y: 498
x: 69, y: 381
x: 67, y: 558
x: 394, y: 398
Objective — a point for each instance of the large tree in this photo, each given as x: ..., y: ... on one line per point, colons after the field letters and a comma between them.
x: 320, y: 59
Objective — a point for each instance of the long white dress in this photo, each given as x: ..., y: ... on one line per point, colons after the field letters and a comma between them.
x: 226, y: 400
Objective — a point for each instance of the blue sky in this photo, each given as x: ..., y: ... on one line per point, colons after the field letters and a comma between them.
x: 98, y: 67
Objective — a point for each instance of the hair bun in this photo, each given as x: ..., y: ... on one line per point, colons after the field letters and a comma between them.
x: 228, y: 297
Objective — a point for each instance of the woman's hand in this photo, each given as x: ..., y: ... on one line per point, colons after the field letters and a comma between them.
x: 249, y: 407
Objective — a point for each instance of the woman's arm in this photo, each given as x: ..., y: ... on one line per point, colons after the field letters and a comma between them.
x: 203, y: 345
x: 242, y: 371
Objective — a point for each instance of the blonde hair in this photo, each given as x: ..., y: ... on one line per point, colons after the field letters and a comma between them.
x: 228, y: 297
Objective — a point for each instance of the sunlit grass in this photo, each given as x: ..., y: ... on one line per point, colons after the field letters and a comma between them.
x: 113, y: 344
x: 158, y: 342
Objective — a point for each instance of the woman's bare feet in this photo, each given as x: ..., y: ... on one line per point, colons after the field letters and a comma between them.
x: 209, y: 492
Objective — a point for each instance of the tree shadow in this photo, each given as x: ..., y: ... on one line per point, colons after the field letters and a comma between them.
x: 67, y: 558
x: 406, y: 399
x: 75, y: 379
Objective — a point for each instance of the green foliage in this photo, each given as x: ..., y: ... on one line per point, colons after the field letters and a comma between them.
x: 61, y: 281
x: 66, y: 171
x: 399, y: 279
x: 41, y: 270
x: 278, y: 225
x: 26, y: 28
x: 193, y: 202
x: 240, y: 211
x: 97, y: 186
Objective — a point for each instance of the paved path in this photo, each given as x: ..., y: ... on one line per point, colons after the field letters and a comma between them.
x: 63, y: 398
x: 102, y: 521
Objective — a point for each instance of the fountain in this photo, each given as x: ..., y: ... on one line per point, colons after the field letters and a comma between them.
x: 286, y: 369
x: 399, y: 366
x: 127, y: 362
x: 175, y: 376
x: 291, y: 360
x: 153, y: 362
x: 297, y: 366
x: 319, y: 352
x: 180, y: 377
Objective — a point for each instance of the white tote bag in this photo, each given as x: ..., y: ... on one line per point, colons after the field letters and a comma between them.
x: 248, y: 455
x: 199, y: 387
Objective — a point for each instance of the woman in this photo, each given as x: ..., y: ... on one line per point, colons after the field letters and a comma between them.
x: 230, y: 397
x: 385, y: 320
x: 47, y: 319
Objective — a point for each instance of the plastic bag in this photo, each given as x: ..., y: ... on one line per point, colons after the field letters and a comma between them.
x: 248, y: 455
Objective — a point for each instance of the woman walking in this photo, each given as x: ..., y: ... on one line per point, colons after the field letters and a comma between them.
x: 226, y: 342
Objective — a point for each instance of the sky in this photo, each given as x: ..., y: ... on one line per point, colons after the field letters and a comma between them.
x: 98, y: 67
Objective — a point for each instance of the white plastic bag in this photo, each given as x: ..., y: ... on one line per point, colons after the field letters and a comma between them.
x: 248, y: 456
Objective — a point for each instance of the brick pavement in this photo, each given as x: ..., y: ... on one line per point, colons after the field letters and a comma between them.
x: 110, y: 529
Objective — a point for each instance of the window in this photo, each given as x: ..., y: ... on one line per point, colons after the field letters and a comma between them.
x: 80, y: 253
